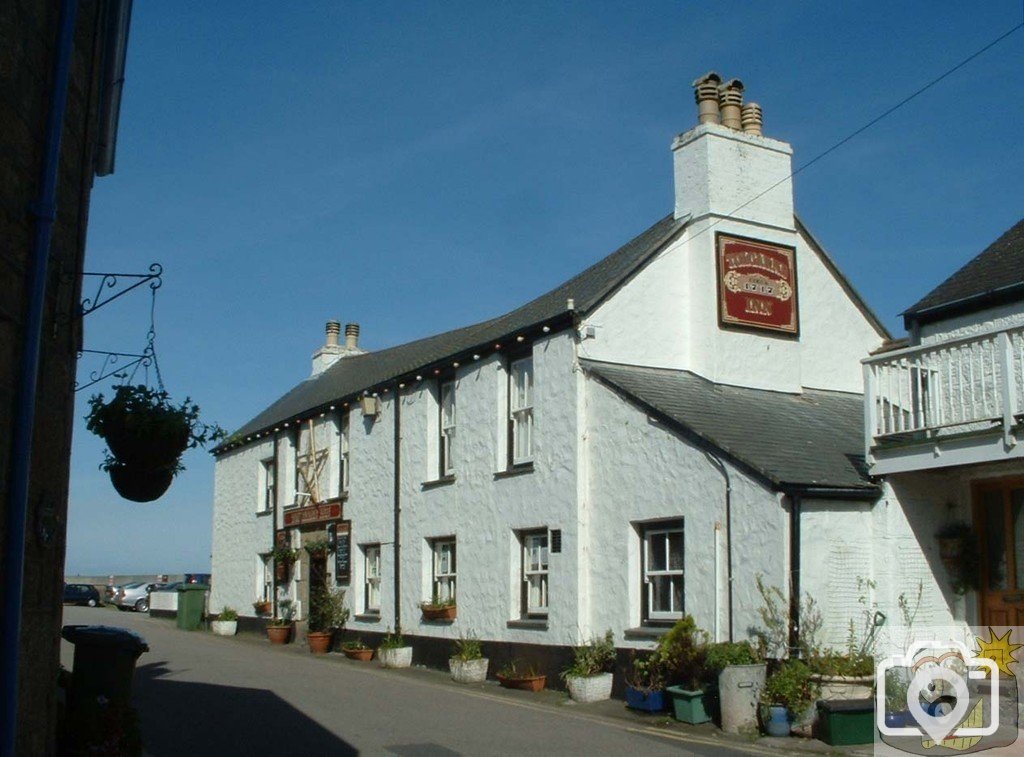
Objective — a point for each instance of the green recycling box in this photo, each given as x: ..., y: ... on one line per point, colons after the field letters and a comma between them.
x: 845, y: 722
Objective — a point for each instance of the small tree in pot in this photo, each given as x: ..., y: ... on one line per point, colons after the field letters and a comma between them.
x: 468, y: 664
x: 146, y: 435
x: 684, y: 650
x: 279, y: 630
x: 589, y: 678
x: 327, y: 613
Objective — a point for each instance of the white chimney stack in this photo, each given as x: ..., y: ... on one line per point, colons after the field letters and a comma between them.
x: 332, y: 351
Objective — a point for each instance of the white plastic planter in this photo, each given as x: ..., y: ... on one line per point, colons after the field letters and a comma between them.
x: 224, y: 627
x: 590, y: 688
x: 845, y: 687
x: 468, y: 671
x: 739, y: 690
x: 395, y: 658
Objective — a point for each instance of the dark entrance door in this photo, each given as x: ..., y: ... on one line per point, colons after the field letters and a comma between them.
x: 999, y: 518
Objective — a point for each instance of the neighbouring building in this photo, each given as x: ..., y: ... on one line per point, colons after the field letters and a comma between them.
x: 943, y: 412
x: 644, y: 441
x: 61, y: 74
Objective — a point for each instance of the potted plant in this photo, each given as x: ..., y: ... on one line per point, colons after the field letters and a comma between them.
x: 843, y: 675
x: 283, y: 559
x: 589, y: 678
x: 327, y: 613
x: 468, y: 664
x: 355, y: 649
x: 517, y: 675
x: 958, y: 550
x: 438, y: 609
x: 786, y: 695
x: 318, y: 548
x: 226, y: 623
x: 146, y: 435
x: 393, y: 652
x: 645, y: 682
x: 684, y: 649
x: 740, y: 673
x: 897, y: 709
x: 279, y: 630
x: 262, y: 606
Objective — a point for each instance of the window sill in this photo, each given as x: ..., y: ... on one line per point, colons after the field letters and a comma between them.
x: 529, y: 624
x: 436, y: 483
x: 646, y: 632
x: 515, y: 470
x: 368, y: 617
x: 262, y: 513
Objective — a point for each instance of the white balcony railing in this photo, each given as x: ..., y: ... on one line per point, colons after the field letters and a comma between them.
x: 961, y: 385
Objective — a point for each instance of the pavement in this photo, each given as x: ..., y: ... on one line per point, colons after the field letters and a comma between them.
x: 199, y: 694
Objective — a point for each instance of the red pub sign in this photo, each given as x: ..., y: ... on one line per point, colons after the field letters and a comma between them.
x: 756, y: 284
x: 304, y: 516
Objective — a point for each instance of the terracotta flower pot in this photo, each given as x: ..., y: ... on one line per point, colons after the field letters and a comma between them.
x: 140, y: 484
x: 439, y: 613
x: 262, y: 608
x: 526, y: 683
x: 319, y: 641
x: 364, y: 655
x: 279, y: 634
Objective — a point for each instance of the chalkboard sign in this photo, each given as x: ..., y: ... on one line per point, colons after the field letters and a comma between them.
x: 343, y: 558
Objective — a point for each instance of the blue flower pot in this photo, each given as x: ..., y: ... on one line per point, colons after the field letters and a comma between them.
x: 899, y: 719
x: 647, y: 702
x: 777, y: 721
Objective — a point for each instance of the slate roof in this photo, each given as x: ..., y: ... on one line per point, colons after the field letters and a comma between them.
x: 999, y: 269
x: 352, y: 375
x: 813, y: 439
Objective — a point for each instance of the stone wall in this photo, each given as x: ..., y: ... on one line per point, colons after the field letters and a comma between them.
x: 28, y: 33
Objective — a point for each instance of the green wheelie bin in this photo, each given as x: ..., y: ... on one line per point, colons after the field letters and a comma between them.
x: 191, y: 603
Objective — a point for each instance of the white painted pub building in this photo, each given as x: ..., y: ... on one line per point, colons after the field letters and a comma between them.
x: 647, y: 439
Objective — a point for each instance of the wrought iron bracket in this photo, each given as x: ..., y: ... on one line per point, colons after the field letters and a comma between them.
x: 112, y: 281
x: 112, y: 365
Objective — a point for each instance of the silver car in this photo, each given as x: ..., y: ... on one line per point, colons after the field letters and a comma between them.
x: 135, y: 596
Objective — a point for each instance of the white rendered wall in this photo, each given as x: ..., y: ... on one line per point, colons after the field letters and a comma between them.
x: 239, y: 533
x: 640, y: 471
x: 484, y: 512
x: 1001, y: 317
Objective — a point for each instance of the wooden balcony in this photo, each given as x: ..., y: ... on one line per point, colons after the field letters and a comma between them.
x: 955, y: 402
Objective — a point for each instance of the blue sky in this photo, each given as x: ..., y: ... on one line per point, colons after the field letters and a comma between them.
x: 420, y: 166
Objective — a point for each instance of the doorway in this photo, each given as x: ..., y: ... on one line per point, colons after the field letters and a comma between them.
x: 999, y: 520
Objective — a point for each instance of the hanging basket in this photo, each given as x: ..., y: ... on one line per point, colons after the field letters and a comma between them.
x: 950, y: 551
x: 140, y: 484
x: 142, y: 446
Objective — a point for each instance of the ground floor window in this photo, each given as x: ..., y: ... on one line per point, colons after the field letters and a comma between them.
x: 662, y: 571
x: 264, y: 577
x: 443, y: 572
x: 534, y: 573
x: 371, y: 578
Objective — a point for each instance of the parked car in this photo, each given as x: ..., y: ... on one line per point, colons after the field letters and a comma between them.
x: 81, y: 594
x: 135, y: 596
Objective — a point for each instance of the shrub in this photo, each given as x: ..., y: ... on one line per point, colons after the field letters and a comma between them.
x: 228, y: 614
x: 354, y: 644
x: 593, y: 658
x: 327, y: 610
x: 468, y: 648
x: 516, y: 668
x: 725, y: 653
x: 683, y: 650
x: 392, y: 641
x: 791, y: 687
x: 647, y: 672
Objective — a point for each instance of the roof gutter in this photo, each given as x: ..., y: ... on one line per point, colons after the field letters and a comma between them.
x: 862, y: 494
x: 115, y: 53
x: 964, y: 304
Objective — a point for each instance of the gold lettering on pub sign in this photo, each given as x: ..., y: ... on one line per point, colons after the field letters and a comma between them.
x: 757, y: 284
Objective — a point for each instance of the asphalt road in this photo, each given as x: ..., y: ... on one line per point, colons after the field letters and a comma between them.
x: 200, y: 694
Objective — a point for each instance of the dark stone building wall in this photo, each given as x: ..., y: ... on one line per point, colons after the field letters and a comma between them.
x: 28, y: 40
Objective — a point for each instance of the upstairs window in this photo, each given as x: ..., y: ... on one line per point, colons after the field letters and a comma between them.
x: 313, y: 451
x: 443, y: 579
x: 268, y: 484
x: 446, y: 407
x: 521, y: 411
x: 663, y: 571
x: 534, y: 573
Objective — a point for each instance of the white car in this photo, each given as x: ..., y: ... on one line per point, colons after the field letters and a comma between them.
x: 135, y: 596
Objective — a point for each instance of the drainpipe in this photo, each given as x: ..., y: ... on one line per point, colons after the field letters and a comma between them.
x: 273, y: 528
x: 794, y: 573
x: 44, y: 211
x: 398, y: 510
x: 717, y: 462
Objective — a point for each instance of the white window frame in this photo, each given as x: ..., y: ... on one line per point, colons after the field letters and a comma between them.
x: 371, y: 578
x: 444, y: 561
x: 265, y: 583
x: 535, y: 572
x: 520, y: 412
x: 652, y: 533
x: 446, y: 424
x: 343, y: 452
x: 268, y: 484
